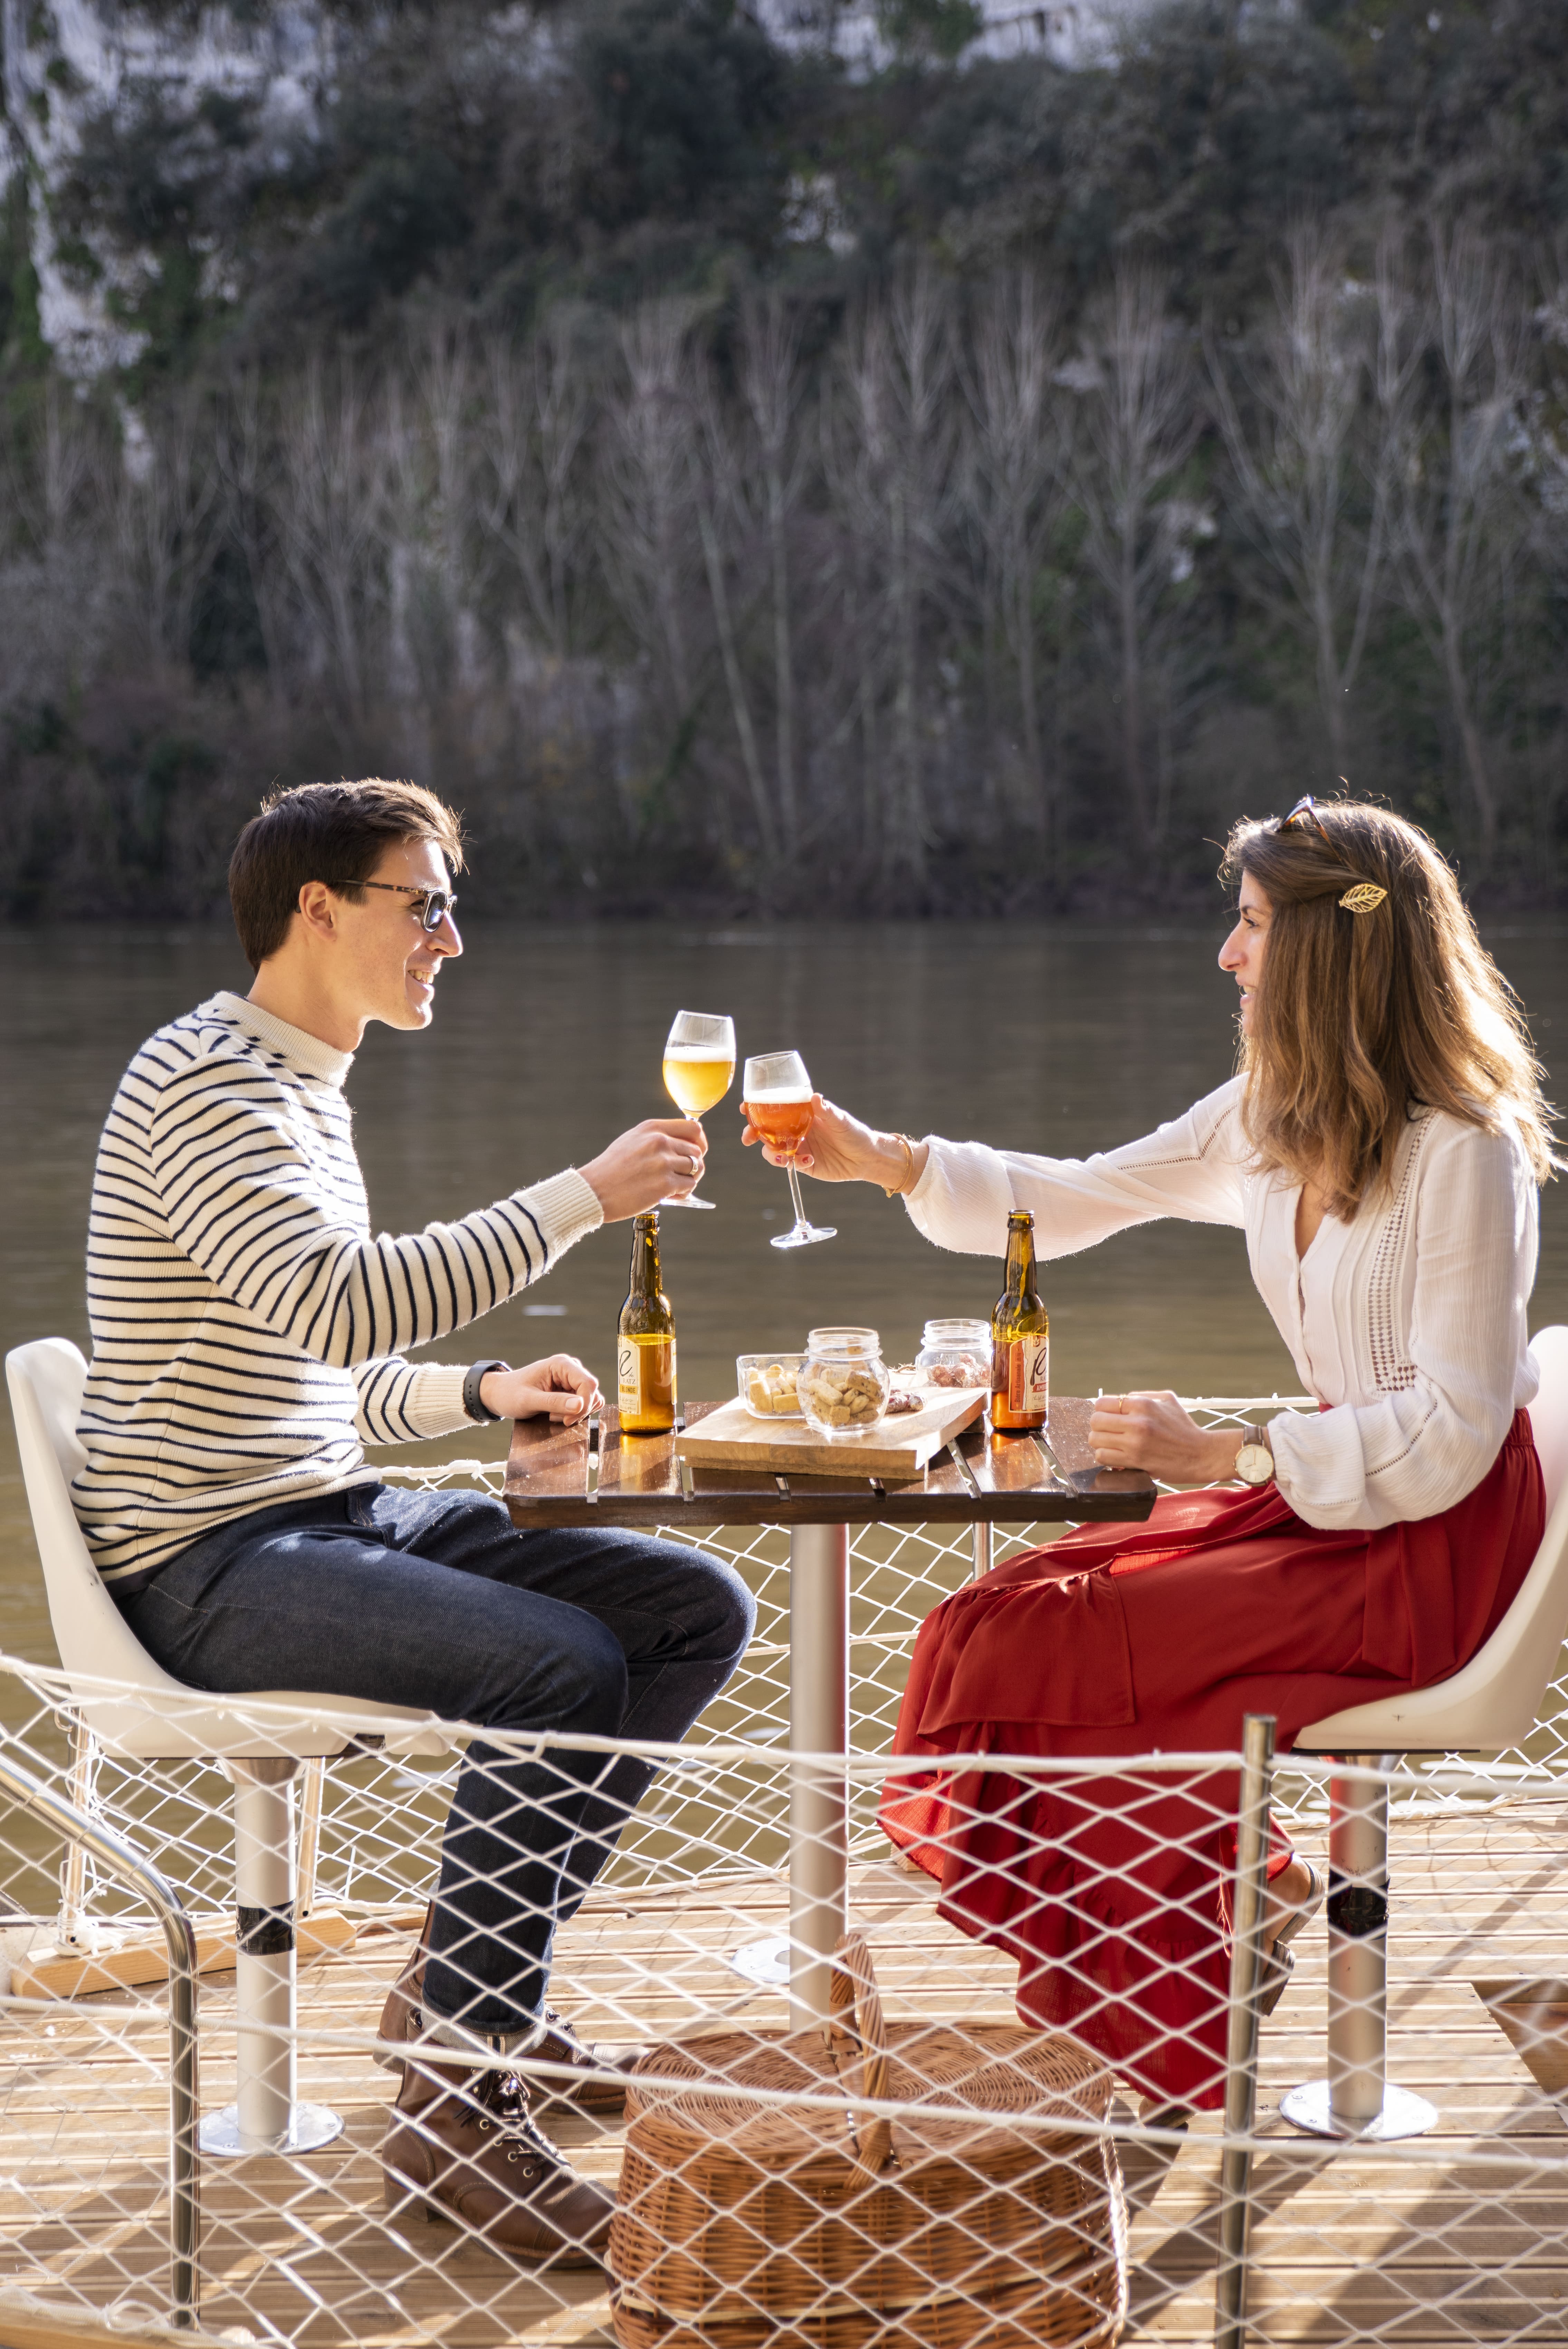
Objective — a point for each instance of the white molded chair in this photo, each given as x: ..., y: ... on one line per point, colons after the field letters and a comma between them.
x: 139, y: 1711
x: 1487, y: 1706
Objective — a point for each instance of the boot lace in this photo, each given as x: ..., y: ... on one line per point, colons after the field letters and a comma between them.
x: 503, y: 2099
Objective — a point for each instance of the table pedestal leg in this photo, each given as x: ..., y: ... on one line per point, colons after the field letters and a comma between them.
x: 818, y: 1725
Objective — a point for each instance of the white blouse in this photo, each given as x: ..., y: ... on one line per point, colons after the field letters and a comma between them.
x: 1409, y: 1320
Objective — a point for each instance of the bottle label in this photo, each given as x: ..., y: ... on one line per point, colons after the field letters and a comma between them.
x: 645, y: 1378
x: 1021, y: 1374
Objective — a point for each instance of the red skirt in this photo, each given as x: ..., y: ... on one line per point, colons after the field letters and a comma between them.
x: 1111, y: 1892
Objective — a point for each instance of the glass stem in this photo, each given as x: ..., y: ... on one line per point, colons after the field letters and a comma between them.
x: 800, y: 1223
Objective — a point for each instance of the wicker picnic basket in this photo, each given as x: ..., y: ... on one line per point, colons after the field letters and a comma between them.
x: 745, y: 2218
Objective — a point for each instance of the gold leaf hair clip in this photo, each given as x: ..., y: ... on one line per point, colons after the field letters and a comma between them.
x: 1365, y: 898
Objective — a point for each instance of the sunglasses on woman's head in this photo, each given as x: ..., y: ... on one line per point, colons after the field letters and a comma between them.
x: 431, y: 909
x: 1305, y: 811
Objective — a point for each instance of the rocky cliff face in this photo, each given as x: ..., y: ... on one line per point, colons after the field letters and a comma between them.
x: 72, y: 66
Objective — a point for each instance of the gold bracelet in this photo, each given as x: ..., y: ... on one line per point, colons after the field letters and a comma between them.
x: 895, y: 1190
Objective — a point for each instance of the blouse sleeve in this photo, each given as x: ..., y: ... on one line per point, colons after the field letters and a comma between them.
x: 1420, y: 1448
x: 1188, y: 1168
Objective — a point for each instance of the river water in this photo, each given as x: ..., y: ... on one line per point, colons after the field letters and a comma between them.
x: 545, y: 1042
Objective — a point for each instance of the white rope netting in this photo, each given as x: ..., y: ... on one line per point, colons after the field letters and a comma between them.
x: 1068, y: 2217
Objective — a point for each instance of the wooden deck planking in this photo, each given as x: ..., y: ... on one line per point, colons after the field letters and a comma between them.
x: 1345, y: 2248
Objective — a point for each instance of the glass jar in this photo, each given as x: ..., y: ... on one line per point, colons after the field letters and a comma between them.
x: 955, y: 1353
x: 843, y: 1383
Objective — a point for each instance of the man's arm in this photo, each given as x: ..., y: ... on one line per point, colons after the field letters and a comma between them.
x: 409, y: 1402
x: 247, y: 1206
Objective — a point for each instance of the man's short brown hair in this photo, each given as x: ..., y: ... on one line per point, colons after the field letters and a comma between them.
x: 335, y: 833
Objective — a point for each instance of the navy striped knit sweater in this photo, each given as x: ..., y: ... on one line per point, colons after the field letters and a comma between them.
x: 247, y: 1328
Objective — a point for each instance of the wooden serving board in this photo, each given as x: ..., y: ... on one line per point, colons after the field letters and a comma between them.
x: 731, y: 1437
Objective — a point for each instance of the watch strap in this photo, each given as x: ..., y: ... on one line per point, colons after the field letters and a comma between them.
x: 471, y: 1386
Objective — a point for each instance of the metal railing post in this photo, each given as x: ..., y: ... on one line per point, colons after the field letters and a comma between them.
x: 1249, y: 1911
x: 73, y: 1868
x: 818, y: 1726
x: 184, y: 2176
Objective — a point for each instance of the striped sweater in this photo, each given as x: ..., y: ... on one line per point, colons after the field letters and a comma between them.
x: 248, y: 1329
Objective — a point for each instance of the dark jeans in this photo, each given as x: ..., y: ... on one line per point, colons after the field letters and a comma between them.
x: 436, y: 1599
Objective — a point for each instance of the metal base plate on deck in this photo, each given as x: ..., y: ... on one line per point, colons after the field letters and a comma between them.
x: 1403, y: 2115
x: 766, y: 1963
x: 310, y: 2126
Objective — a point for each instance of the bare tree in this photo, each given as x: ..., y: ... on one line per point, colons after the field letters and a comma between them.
x: 1459, y: 512
x: 168, y: 527
x: 719, y: 504
x: 1313, y: 478
x: 444, y: 378
x: 246, y: 454
x: 1016, y: 489
x: 1139, y: 421
x: 535, y: 499
x: 769, y: 386
x: 889, y: 459
x: 328, y: 493
x: 646, y: 479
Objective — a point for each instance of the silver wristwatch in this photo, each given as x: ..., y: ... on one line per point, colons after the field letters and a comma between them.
x: 1254, y: 1462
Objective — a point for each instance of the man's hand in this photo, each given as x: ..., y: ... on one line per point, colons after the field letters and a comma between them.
x: 838, y: 1149
x: 661, y: 1158
x: 1152, y: 1432
x: 561, y: 1387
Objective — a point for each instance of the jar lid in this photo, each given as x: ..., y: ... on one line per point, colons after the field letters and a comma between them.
x: 853, y: 1344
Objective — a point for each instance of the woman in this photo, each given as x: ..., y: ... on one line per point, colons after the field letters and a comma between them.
x: 1381, y: 1148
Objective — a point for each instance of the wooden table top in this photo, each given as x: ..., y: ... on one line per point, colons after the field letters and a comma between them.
x: 1007, y: 1479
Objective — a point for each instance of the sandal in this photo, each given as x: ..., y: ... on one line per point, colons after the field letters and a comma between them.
x: 1280, y: 1962
x: 1153, y: 2113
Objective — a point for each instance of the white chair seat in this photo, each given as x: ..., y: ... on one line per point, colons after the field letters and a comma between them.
x: 130, y: 1702
x: 1494, y: 1701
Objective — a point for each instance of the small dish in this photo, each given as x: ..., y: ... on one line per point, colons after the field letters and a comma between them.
x: 766, y: 1384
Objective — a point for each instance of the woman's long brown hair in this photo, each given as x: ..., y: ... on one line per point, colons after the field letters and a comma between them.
x: 1362, y: 1017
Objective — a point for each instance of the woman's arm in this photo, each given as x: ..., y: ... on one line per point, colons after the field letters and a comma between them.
x: 959, y: 1194
x: 1430, y: 1440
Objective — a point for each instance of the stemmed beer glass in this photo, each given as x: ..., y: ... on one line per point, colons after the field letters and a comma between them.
x: 699, y: 1069
x: 777, y: 1094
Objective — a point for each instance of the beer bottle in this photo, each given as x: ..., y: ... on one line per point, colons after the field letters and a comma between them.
x: 645, y: 1353
x: 1020, y: 1336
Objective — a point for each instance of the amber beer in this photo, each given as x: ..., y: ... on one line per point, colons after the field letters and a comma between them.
x: 781, y: 1117
x: 1020, y: 1337
x: 645, y: 1349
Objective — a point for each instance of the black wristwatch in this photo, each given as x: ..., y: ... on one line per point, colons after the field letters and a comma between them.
x: 471, y: 1386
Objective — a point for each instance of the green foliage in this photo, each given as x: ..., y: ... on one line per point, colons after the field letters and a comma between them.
x: 401, y: 215
x: 929, y: 28
x: 685, y: 96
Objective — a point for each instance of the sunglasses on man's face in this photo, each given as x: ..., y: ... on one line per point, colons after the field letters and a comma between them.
x: 431, y: 907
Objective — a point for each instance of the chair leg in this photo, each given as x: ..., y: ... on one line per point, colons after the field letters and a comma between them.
x: 1356, y: 2100
x: 266, y: 2117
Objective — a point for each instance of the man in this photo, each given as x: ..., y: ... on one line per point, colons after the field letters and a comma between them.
x: 248, y: 1339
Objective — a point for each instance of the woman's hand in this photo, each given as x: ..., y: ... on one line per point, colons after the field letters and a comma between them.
x: 560, y: 1387
x: 1152, y: 1432
x: 661, y: 1158
x: 838, y: 1149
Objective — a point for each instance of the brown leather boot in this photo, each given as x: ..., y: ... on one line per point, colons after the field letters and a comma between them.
x: 401, y: 2022
x: 468, y: 2149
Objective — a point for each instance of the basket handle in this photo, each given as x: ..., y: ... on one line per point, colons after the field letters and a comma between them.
x: 853, y: 1994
